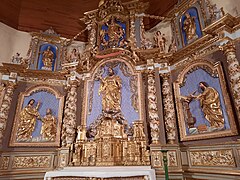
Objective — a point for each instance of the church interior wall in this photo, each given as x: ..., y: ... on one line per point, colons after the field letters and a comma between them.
x: 196, y: 150
x: 230, y: 6
x: 14, y: 41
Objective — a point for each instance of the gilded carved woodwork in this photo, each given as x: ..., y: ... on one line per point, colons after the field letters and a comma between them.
x: 157, y: 158
x: 114, y: 143
x: 220, y: 158
x: 111, y: 145
x: 234, y: 73
x: 4, y: 162
x: 69, y: 120
x: 152, y: 108
x: 20, y: 162
x: 214, y: 70
x: 5, y: 107
x: 169, y: 112
x: 26, y: 117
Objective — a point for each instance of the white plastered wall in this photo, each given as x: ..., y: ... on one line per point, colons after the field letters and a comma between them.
x: 12, y: 41
x: 229, y: 6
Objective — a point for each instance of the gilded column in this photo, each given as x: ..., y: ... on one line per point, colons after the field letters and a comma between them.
x: 70, y: 116
x: 92, y: 34
x: 152, y: 108
x: 132, y: 28
x: 234, y: 73
x: 169, y: 112
x: 5, y: 107
x: 142, y: 31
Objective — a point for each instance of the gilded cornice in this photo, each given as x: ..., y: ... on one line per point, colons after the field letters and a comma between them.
x: 180, y: 8
x: 194, y: 47
x: 49, y: 38
x: 227, y: 23
x: 22, y: 71
x: 134, y: 6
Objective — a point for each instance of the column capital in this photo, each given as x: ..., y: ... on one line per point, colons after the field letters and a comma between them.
x: 228, y: 47
x: 165, y: 76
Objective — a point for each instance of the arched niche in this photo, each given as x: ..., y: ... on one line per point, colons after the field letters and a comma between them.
x: 131, y: 91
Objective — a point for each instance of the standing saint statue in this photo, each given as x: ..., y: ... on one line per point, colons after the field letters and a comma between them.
x: 189, y: 26
x: 49, y: 126
x: 110, y: 89
x: 160, y: 41
x: 27, y: 121
x: 47, y: 58
x: 211, y: 106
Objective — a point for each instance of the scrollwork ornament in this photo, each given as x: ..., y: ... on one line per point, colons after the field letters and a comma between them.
x: 234, y: 73
x: 219, y: 158
x: 4, y: 162
x: 31, y: 162
x: 169, y: 112
x: 132, y: 29
x: 152, y: 108
x: 4, y: 110
x: 69, y: 120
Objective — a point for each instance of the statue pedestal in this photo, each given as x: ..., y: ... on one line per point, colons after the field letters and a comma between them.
x: 103, y: 172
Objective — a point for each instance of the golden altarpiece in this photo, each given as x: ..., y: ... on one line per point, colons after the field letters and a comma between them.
x: 128, y: 95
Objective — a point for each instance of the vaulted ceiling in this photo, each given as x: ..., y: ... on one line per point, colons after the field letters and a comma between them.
x: 62, y: 15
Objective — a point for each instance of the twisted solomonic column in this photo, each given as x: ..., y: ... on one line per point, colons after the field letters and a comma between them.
x: 70, y: 114
x: 169, y: 112
x: 234, y: 73
x: 5, y: 107
x: 152, y: 108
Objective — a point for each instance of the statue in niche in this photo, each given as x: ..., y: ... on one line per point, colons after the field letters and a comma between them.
x: 160, y: 41
x: 74, y: 55
x: 28, y: 117
x: 110, y: 89
x: 47, y: 58
x: 211, y: 106
x: 189, y: 26
x: 116, y: 34
x: 49, y: 126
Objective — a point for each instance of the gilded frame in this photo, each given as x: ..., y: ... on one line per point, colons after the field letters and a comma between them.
x: 212, y: 69
x: 88, y: 80
x: 99, y: 25
x: 31, y: 90
x: 47, y: 37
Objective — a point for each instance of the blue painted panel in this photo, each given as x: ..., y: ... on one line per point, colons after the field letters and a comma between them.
x: 47, y: 100
x: 191, y: 85
x: 127, y: 109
